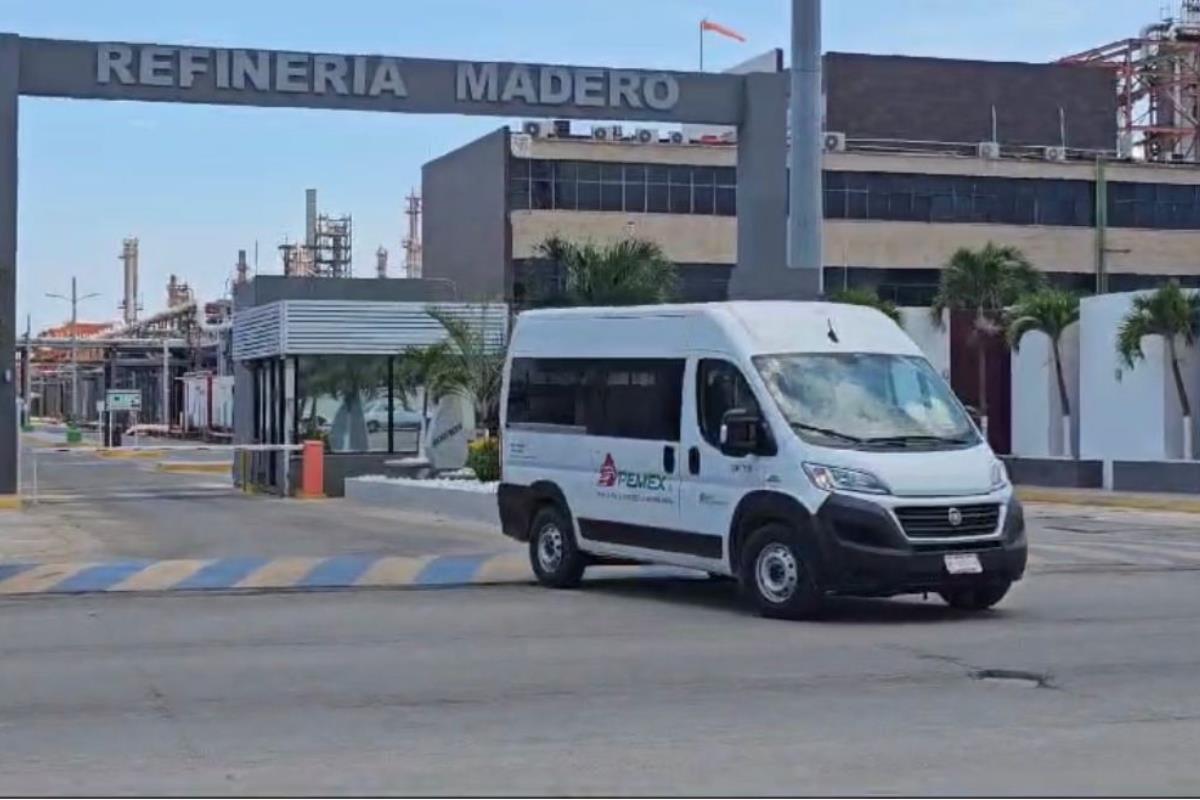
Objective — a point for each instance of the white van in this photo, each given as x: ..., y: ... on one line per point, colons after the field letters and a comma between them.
x: 807, y: 449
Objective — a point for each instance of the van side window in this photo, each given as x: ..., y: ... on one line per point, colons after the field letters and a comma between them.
x: 547, y: 392
x: 720, y: 387
x: 640, y: 398
x: 637, y: 398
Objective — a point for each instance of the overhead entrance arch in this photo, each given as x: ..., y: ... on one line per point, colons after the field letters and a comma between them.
x: 755, y: 103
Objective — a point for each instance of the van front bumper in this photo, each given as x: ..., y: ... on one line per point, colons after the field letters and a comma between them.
x: 864, y: 551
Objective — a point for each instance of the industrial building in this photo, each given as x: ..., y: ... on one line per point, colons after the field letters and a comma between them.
x: 923, y: 156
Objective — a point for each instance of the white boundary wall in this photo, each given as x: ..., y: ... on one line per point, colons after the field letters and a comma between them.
x: 1036, y: 406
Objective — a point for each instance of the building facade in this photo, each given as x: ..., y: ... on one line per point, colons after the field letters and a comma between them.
x: 954, y: 155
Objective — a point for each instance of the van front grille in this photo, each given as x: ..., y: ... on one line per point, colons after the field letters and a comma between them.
x: 949, y: 521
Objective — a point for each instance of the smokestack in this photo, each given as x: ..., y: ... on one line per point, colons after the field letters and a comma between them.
x: 310, y: 217
x: 243, y: 269
x: 129, y: 260
x: 381, y: 262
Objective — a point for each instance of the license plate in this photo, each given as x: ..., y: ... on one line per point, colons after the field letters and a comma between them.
x: 963, y: 564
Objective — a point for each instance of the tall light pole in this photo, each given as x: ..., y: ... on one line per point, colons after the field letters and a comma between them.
x: 804, y: 250
x: 74, y: 301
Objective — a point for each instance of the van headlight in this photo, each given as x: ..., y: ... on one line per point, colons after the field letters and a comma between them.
x: 831, y: 479
x: 999, y: 475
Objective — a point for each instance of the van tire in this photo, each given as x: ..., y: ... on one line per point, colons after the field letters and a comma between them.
x: 553, y: 554
x: 777, y: 576
x: 975, y: 598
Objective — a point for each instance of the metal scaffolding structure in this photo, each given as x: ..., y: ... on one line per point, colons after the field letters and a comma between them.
x: 1158, y: 87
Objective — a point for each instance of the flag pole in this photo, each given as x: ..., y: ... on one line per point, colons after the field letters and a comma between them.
x: 702, y: 45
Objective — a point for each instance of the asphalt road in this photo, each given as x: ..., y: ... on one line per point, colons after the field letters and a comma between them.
x: 637, y: 687
x: 113, y: 509
x: 624, y: 687
x: 96, y: 509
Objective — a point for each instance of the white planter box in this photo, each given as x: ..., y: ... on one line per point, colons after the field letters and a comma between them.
x: 465, y: 500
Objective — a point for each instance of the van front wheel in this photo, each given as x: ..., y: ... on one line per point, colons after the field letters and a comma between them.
x: 776, y: 576
x: 556, y: 560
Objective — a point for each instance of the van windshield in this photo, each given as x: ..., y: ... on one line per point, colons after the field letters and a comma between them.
x: 866, y: 400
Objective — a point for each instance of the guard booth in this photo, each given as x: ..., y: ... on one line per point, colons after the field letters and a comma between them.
x: 315, y: 358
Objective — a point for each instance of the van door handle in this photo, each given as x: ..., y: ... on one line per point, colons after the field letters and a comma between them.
x: 669, y: 460
x: 694, y: 460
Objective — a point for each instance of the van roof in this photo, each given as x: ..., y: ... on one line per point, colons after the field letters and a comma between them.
x: 758, y: 326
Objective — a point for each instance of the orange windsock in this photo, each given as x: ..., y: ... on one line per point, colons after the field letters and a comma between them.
x: 715, y: 27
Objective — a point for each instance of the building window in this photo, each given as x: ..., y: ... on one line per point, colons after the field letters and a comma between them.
x: 621, y: 187
x: 957, y: 198
x: 910, y: 197
x: 1149, y: 205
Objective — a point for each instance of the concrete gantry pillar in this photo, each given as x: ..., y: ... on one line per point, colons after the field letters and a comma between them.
x: 805, y: 249
x: 10, y: 49
x: 762, y: 271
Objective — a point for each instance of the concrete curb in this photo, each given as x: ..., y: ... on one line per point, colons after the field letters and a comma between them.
x: 438, y: 500
x: 1033, y: 494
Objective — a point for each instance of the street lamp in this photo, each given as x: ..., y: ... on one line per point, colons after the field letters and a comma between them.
x: 74, y: 301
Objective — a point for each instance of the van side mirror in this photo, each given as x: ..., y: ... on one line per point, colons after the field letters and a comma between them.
x: 740, y: 432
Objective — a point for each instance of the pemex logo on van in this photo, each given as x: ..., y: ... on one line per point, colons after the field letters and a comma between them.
x: 608, y: 472
x: 611, y: 477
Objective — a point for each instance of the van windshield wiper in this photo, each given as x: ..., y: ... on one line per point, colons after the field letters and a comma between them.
x: 916, y: 438
x: 804, y: 426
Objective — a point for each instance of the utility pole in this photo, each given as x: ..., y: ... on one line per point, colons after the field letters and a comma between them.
x: 26, y: 381
x: 74, y: 301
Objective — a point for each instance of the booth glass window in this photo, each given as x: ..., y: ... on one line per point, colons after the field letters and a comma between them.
x: 349, y: 402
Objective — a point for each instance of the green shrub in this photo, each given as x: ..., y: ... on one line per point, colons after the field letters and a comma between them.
x: 483, y: 457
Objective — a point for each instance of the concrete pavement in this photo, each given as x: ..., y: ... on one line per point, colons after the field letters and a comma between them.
x: 634, y: 687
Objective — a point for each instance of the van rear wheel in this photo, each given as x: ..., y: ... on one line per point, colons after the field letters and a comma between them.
x: 776, y: 575
x: 556, y: 560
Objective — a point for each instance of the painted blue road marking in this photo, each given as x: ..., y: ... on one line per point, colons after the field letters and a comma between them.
x: 223, y: 573
x: 9, y: 570
x: 337, y: 571
x: 446, y: 570
x: 99, y: 577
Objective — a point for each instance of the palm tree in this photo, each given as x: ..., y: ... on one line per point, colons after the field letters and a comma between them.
x: 1172, y: 314
x: 1050, y: 311
x: 868, y: 297
x: 625, y: 273
x: 984, y: 282
x: 465, y: 363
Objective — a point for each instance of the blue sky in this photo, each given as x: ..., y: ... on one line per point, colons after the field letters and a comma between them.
x: 197, y: 183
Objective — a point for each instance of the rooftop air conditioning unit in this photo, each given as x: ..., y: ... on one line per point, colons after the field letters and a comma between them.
x: 1055, y: 153
x: 834, y: 142
x: 617, y: 133
x: 646, y: 136
x: 536, y: 128
x: 988, y: 150
x: 676, y: 137
x: 562, y: 128
x: 601, y: 132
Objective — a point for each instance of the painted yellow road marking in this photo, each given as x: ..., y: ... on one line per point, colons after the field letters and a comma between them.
x: 160, y: 575
x: 393, y: 571
x: 279, y: 572
x: 40, y: 578
x: 504, y: 568
x: 194, y: 467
